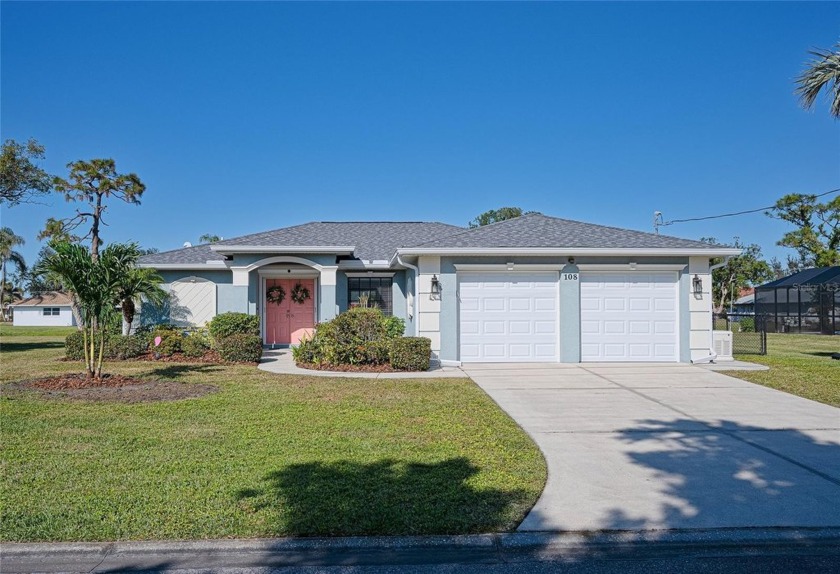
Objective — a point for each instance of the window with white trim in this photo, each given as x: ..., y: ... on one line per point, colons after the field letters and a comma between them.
x: 377, y: 291
x: 51, y: 311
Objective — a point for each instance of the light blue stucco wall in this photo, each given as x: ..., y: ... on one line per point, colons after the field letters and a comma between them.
x: 569, y: 300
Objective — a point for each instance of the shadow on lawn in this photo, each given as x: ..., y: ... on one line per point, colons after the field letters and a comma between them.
x: 384, y: 497
x: 173, y: 372
x: 15, y: 347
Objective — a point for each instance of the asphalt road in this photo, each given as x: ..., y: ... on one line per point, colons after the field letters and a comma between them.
x: 784, y: 551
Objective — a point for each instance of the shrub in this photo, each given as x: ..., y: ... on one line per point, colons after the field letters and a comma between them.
x: 170, y: 341
x: 227, y: 324
x: 194, y: 346
x: 394, y: 326
x: 410, y: 353
x: 74, y: 346
x: 747, y: 324
x: 125, y: 347
x: 359, y: 336
x: 240, y: 348
x: 116, y: 346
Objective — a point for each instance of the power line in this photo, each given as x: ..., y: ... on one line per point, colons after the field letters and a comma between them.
x: 659, y: 223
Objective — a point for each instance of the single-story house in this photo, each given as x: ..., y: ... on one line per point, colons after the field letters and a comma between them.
x: 534, y: 288
x: 48, y: 309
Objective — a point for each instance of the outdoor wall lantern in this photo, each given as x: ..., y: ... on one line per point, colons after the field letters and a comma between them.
x: 436, y: 287
x: 697, y: 285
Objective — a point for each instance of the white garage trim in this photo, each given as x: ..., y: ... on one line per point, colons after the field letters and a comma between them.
x: 629, y: 316
x: 509, y: 316
x: 632, y: 267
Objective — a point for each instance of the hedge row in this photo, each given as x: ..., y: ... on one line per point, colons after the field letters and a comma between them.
x: 363, y: 336
x: 234, y: 335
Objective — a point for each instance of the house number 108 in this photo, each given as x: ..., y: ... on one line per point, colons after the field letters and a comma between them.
x: 570, y: 276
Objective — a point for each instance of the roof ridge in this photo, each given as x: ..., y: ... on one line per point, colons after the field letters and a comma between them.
x: 628, y: 229
x: 480, y: 227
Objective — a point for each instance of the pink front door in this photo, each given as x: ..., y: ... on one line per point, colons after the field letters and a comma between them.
x: 287, y: 322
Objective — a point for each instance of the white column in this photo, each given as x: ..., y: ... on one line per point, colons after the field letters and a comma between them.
x: 428, y: 307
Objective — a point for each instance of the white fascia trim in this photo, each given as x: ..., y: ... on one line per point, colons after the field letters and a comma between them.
x: 504, y: 267
x: 632, y: 267
x: 307, y: 273
x: 362, y: 265
x: 220, y: 266
x: 283, y: 248
x: 561, y: 252
x: 370, y: 273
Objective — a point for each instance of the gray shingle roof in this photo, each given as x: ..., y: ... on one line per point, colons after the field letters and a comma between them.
x: 197, y: 255
x: 374, y: 240
x: 379, y: 240
x: 542, y: 231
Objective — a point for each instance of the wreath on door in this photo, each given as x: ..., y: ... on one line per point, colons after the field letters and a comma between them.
x: 275, y: 294
x: 300, y: 294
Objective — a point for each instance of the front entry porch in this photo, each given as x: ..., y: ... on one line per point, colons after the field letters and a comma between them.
x: 290, y: 310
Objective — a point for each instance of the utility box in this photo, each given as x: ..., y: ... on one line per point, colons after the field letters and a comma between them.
x: 723, y: 345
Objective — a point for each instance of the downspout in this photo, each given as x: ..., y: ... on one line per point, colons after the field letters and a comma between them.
x: 712, y: 355
x: 416, y: 293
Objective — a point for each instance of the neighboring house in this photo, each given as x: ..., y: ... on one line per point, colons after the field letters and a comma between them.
x: 534, y: 288
x: 49, y: 309
x: 744, y: 305
x: 805, y: 302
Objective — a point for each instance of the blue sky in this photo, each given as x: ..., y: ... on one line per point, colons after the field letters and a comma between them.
x: 242, y: 117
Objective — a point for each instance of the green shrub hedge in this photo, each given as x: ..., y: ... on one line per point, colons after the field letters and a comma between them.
x: 194, y: 346
x: 170, y: 342
x: 394, y: 326
x: 227, y: 324
x: 74, y: 346
x: 363, y: 336
x: 410, y: 353
x: 116, y: 346
x: 240, y: 348
x: 126, y: 347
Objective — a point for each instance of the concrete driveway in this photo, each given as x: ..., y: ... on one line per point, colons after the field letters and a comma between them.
x: 652, y: 446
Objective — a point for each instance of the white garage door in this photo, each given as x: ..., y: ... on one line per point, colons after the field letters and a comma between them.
x: 508, y: 316
x: 628, y: 316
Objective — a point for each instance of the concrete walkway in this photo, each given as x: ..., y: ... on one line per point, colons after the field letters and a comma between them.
x: 280, y: 361
x: 652, y: 446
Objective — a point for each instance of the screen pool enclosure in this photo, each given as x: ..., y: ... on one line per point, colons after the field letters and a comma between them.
x: 805, y: 302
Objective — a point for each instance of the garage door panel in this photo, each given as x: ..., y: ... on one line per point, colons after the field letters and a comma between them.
x: 628, y: 316
x: 511, y: 316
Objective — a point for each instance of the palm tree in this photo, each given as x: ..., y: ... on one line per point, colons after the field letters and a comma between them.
x: 96, y: 284
x: 138, y: 284
x: 822, y: 71
x: 8, y: 242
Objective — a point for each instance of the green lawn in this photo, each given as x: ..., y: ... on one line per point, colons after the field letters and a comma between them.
x: 800, y: 365
x: 8, y: 330
x: 266, y: 456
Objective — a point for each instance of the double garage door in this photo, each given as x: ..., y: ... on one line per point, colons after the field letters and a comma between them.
x: 515, y: 316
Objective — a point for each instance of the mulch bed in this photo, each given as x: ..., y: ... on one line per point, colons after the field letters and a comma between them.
x: 349, y: 368
x: 111, y: 388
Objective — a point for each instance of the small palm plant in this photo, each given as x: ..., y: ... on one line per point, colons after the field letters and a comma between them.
x: 135, y: 285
